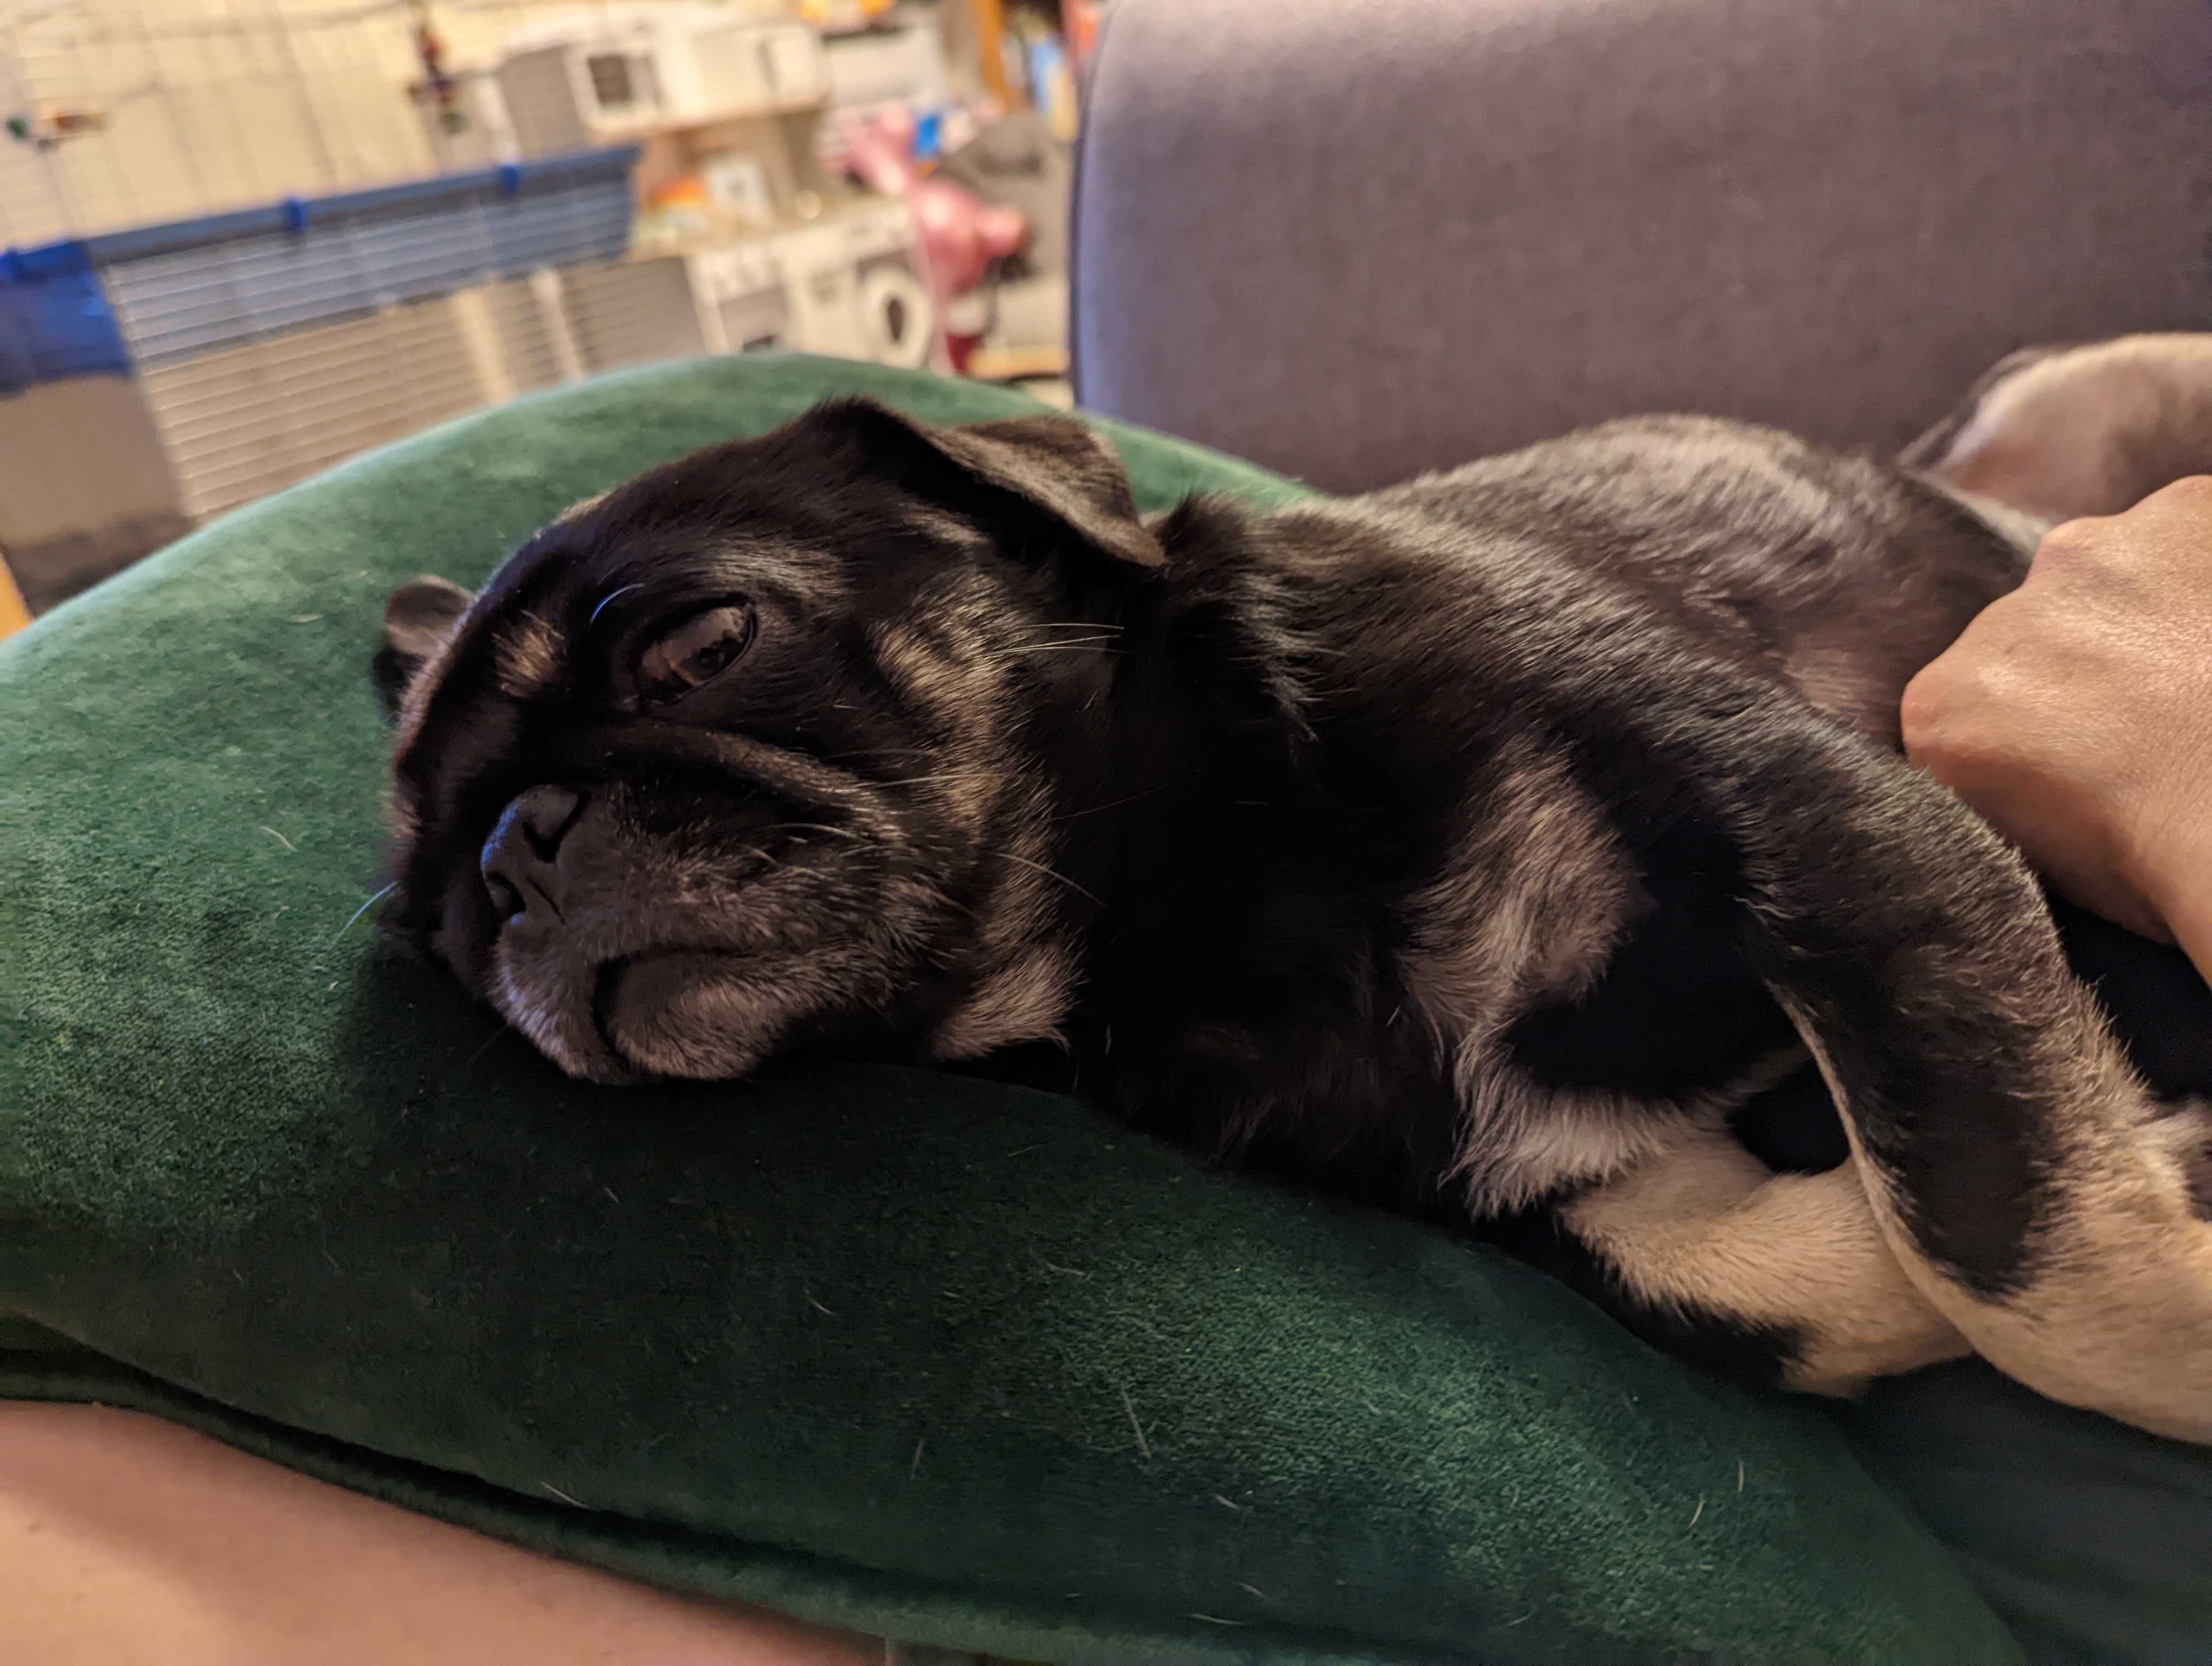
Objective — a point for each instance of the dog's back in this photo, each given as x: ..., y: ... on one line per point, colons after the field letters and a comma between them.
x: 1844, y: 574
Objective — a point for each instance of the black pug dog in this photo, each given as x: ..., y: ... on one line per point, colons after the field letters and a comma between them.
x: 1521, y: 847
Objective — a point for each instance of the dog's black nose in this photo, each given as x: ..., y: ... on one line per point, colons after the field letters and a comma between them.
x: 517, y: 860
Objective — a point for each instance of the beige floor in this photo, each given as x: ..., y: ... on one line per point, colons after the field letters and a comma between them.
x: 125, y: 1540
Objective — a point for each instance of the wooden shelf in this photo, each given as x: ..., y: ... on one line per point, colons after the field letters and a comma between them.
x: 670, y: 127
x: 1014, y: 364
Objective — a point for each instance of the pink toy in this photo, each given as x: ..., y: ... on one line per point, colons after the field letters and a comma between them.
x: 960, y: 235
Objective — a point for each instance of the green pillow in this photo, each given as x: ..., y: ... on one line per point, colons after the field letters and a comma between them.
x: 948, y: 1361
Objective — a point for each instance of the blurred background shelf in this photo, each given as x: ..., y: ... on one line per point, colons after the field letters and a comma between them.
x: 242, y: 245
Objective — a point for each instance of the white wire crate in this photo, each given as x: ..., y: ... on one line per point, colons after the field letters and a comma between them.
x: 247, y: 419
x: 228, y: 257
x: 268, y: 342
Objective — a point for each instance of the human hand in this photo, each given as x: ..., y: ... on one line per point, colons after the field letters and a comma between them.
x: 2076, y: 714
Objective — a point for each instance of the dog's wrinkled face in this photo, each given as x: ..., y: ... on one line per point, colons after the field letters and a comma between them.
x: 765, y: 749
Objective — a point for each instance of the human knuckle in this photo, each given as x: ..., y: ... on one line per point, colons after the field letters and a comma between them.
x: 2071, y: 544
x: 2192, y: 492
x: 1930, y: 710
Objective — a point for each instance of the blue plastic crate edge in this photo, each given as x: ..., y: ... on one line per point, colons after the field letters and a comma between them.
x: 156, y: 294
x: 296, y: 214
x: 55, y: 322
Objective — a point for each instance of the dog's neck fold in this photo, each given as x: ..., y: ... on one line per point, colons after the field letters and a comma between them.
x: 1213, y: 802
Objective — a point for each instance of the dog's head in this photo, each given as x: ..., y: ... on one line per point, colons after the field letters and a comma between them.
x: 767, y: 749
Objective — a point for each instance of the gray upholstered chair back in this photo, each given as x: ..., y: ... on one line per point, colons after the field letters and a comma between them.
x: 1354, y: 238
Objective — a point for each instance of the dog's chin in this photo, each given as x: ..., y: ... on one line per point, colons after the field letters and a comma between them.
x: 703, y: 1017
x: 693, y: 1015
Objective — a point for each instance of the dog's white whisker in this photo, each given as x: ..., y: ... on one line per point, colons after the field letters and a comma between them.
x: 373, y: 900
x: 1050, y: 874
x: 611, y: 596
x: 923, y: 780
x: 1112, y: 804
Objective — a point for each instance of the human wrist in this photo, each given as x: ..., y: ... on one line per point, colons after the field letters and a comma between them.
x: 2191, y: 921
x: 2178, y: 875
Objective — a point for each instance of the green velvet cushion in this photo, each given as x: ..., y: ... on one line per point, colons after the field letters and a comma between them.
x: 945, y: 1360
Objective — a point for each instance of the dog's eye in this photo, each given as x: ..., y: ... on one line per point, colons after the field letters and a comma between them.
x: 696, y: 650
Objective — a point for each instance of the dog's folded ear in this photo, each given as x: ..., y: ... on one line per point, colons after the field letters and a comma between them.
x: 1052, y: 470
x: 417, y: 616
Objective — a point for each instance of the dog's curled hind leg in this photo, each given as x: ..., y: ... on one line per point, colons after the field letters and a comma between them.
x: 2109, y: 1303
x: 1701, y: 1234
x: 2029, y: 1184
x: 2032, y: 1190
